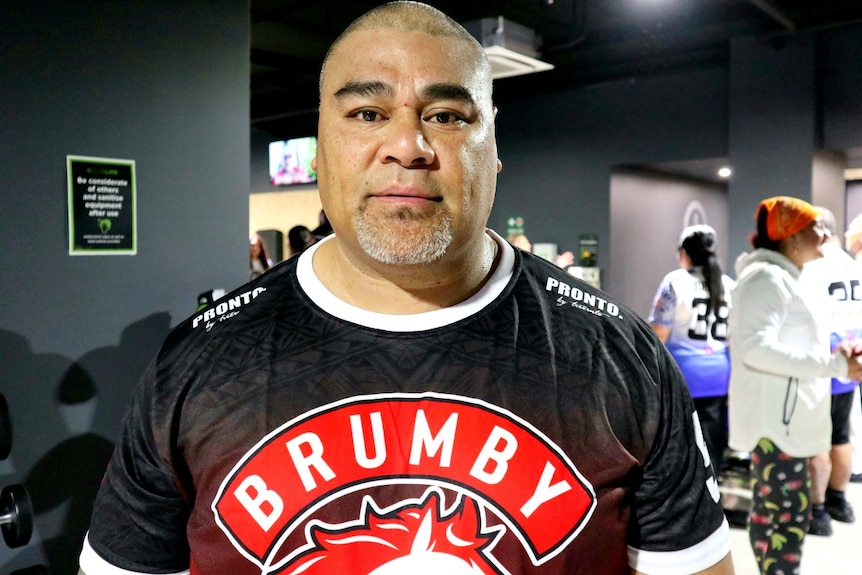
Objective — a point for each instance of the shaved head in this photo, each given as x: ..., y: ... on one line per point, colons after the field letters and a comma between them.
x: 413, y: 17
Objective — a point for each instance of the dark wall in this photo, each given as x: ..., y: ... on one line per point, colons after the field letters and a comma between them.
x: 160, y: 82
x: 259, y: 181
x: 840, y: 88
x: 558, y: 151
x: 773, y: 126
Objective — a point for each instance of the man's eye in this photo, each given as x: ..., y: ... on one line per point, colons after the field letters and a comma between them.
x: 367, y: 115
x: 446, y: 118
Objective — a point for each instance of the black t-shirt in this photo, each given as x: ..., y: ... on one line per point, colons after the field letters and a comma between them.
x: 539, y: 427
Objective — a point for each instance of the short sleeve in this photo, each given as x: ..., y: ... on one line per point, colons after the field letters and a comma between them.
x: 139, y: 517
x: 678, y: 525
x: 664, y: 304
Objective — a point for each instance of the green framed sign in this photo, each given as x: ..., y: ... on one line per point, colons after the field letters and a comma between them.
x: 102, y: 208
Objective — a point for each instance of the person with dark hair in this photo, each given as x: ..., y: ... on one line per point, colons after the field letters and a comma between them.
x: 299, y: 238
x: 411, y: 394
x: 838, y: 278
x: 779, y: 394
x: 689, y: 314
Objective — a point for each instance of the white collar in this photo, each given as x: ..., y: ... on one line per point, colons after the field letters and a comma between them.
x: 328, y: 302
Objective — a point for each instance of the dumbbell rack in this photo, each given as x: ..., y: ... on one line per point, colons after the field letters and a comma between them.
x: 16, y: 510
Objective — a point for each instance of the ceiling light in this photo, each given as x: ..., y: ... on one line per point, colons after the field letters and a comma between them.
x: 724, y: 172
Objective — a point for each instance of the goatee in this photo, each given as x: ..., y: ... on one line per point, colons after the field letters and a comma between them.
x: 404, y: 236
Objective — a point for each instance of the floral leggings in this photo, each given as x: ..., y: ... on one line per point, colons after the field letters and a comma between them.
x: 780, y: 509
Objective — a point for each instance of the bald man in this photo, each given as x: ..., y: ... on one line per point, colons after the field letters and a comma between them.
x: 411, y: 393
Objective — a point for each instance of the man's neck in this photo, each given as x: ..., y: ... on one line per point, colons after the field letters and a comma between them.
x: 404, y: 289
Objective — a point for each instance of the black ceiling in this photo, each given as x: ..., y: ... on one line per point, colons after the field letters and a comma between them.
x: 588, y: 41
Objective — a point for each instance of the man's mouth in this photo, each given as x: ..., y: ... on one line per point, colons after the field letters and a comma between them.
x: 405, y: 195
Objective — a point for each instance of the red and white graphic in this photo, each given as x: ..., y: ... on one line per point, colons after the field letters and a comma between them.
x: 487, y: 455
x: 415, y: 538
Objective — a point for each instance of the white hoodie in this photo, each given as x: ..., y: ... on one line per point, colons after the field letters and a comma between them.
x: 780, y: 360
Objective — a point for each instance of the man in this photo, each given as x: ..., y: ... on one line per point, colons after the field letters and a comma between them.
x: 853, y: 244
x: 837, y: 278
x: 411, y: 393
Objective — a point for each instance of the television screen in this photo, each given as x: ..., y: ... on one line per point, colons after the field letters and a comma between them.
x: 290, y: 161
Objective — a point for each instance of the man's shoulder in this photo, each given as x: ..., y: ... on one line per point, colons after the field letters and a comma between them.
x: 578, y: 302
x: 237, y: 311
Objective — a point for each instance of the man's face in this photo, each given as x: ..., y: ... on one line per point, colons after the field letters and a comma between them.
x: 407, y: 157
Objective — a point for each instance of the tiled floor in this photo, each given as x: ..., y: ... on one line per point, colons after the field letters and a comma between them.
x: 840, y: 554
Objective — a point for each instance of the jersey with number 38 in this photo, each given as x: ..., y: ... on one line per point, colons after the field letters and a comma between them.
x: 698, y: 339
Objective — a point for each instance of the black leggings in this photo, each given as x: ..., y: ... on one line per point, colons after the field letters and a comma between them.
x: 842, y: 405
x: 780, y: 511
x: 712, y: 412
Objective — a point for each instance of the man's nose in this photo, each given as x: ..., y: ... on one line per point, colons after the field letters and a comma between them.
x: 406, y: 143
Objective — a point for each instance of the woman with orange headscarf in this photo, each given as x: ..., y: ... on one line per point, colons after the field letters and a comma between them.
x: 779, y: 393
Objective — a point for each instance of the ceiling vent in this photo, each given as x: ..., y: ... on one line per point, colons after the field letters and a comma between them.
x: 512, y: 49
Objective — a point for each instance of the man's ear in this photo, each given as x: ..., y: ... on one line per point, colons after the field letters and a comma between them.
x: 499, y: 163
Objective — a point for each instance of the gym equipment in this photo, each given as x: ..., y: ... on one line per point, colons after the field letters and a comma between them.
x: 16, y: 515
x: 16, y: 509
x: 5, y: 429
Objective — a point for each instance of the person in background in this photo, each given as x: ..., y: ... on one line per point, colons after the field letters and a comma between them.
x: 689, y: 314
x: 838, y: 277
x: 778, y: 398
x: 853, y: 237
x: 853, y: 244
x: 299, y: 238
x: 521, y: 241
x: 410, y: 394
x: 258, y: 256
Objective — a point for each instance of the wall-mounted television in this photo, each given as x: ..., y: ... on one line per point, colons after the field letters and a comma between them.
x: 290, y: 161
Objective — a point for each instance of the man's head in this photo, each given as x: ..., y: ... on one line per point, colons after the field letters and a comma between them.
x: 411, y: 16
x: 407, y: 156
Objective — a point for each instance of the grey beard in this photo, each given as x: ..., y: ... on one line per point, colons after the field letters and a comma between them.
x: 404, y: 239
